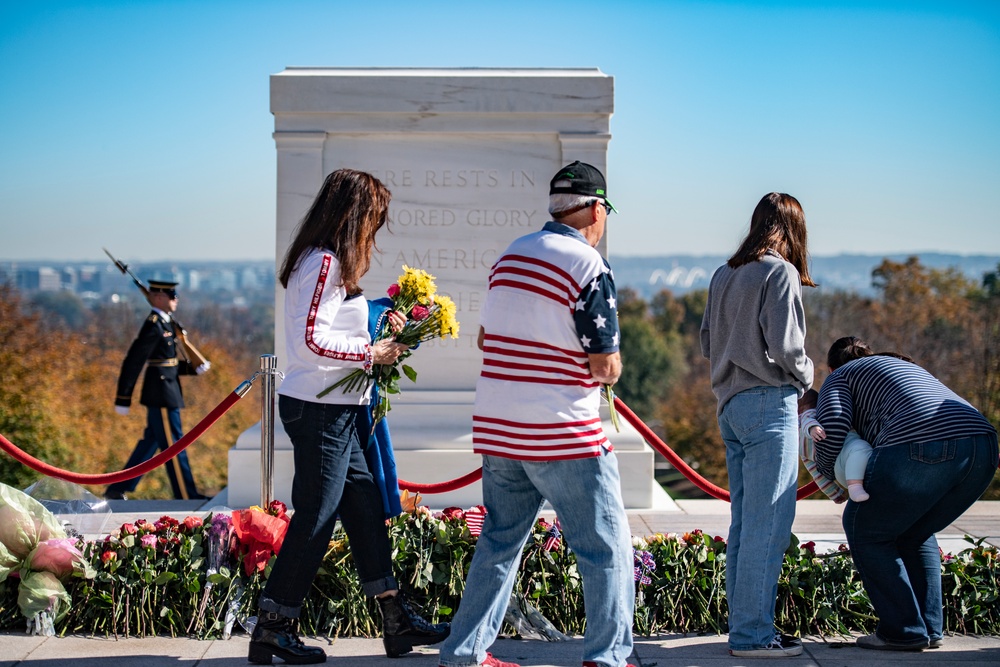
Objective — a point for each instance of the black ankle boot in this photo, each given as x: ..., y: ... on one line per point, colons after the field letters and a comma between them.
x: 275, y: 635
x: 403, y: 628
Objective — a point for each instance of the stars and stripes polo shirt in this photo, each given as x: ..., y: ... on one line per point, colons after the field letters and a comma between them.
x: 551, y: 302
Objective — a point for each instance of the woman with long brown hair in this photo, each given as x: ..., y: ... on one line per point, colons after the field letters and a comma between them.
x: 326, y: 334
x: 754, y: 333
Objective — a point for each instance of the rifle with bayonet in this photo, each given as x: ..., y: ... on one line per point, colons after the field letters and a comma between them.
x: 188, y: 350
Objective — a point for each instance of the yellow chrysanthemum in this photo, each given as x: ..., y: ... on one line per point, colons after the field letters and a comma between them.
x: 444, y: 316
x: 415, y: 286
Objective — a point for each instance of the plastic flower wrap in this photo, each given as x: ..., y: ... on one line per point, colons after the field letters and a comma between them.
x: 219, y: 540
x: 24, y: 522
x: 34, y: 547
x: 428, y: 316
x: 43, y: 600
x: 260, y: 534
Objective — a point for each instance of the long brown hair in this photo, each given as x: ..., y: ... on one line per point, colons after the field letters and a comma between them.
x: 777, y: 223
x: 350, y: 207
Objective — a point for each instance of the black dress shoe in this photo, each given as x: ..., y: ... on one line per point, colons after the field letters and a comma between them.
x: 275, y: 636
x: 403, y: 628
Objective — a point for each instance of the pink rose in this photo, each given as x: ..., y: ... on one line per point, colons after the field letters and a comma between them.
x: 148, y: 541
x: 393, y: 290
x: 191, y: 522
x: 57, y: 556
x: 420, y: 312
x: 129, y: 529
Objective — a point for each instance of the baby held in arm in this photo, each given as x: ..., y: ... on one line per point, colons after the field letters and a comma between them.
x: 852, y: 460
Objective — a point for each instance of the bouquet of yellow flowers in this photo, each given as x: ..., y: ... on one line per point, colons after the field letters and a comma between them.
x: 429, y: 315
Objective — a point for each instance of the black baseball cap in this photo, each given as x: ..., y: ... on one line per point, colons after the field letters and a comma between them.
x: 580, y: 178
x: 165, y: 286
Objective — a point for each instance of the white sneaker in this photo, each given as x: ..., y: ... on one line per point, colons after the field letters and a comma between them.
x: 781, y: 646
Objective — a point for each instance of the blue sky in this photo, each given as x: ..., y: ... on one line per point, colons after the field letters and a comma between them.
x: 145, y: 126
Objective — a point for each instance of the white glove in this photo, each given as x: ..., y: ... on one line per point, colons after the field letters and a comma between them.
x: 121, y: 409
x: 204, y: 367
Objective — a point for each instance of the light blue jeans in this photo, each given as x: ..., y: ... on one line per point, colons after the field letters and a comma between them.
x: 760, y: 429
x: 586, y: 495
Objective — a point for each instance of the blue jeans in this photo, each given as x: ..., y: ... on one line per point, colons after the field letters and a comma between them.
x: 586, y: 495
x: 916, y: 490
x: 331, y: 478
x: 154, y: 438
x: 760, y: 429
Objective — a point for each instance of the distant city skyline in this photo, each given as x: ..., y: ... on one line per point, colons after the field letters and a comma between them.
x: 645, y: 275
x: 145, y: 127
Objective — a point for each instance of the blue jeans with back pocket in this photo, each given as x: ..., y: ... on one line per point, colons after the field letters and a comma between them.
x: 916, y: 490
x: 760, y: 427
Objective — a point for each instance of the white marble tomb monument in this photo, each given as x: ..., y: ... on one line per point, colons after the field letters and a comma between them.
x: 467, y: 155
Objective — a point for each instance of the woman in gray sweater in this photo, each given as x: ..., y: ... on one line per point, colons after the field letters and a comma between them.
x: 753, y: 334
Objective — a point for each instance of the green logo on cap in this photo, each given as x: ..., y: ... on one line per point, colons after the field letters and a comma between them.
x: 600, y: 192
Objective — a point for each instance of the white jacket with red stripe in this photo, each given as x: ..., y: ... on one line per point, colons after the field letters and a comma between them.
x: 326, y: 333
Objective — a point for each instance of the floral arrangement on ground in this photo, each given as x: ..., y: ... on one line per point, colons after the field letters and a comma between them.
x: 201, y: 577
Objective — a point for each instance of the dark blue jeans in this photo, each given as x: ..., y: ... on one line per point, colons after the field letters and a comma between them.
x: 331, y: 479
x: 916, y: 490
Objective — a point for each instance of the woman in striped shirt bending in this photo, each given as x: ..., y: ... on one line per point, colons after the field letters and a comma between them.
x: 933, y: 456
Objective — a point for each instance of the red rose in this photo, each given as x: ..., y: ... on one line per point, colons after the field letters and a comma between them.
x: 452, y: 513
x: 420, y: 312
x: 129, y: 529
x: 393, y: 290
x: 108, y: 556
x: 277, y: 508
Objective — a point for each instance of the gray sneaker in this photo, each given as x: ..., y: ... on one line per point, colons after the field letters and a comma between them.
x: 876, y: 643
x: 782, y: 646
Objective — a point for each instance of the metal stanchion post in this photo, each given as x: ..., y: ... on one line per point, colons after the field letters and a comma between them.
x: 268, y: 366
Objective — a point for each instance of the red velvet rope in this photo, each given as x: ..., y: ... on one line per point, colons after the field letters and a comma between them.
x: 128, y: 473
x: 443, y: 487
x: 677, y: 462
x: 440, y: 487
x: 647, y: 435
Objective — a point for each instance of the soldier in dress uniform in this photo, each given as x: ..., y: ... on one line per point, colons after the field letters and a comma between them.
x: 156, y: 348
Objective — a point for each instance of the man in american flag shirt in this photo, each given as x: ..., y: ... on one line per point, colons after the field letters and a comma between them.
x: 550, y: 339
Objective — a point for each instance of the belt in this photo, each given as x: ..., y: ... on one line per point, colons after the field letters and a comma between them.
x: 162, y: 363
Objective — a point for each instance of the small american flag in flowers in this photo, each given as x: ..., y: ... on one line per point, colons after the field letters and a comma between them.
x: 644, y: 566
x: 474, y: 518
x: 552, y: 537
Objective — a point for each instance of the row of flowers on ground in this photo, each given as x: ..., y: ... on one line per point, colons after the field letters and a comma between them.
x: 202, y: 578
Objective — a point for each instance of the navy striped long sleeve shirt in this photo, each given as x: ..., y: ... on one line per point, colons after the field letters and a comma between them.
x: 889, y: 401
